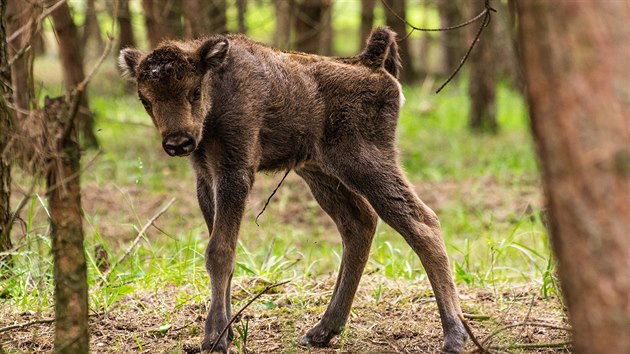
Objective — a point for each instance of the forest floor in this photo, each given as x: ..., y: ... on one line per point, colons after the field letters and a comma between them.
x: 484, y: 188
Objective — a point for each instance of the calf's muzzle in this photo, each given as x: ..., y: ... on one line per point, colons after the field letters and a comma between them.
x: 178, y: 144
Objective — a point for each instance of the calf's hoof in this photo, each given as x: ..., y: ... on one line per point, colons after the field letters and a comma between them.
x: 318, y: 336
x: 455, y: 340
x: 220, y: 348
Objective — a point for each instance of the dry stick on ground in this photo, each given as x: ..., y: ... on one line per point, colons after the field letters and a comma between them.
x: 243, y: 309
x: 488, y: 339
x: 26, y: 324
x: 137, y: 239
x: 472, y: 335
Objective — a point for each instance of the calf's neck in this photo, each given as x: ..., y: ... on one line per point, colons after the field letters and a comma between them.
x: 236, y: 107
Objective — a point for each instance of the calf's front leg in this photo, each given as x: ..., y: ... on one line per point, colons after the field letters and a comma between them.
x: 231, y: 194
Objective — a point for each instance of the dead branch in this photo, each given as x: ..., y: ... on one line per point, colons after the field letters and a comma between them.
x: 40, y: 18
x: 533, y: 345
x: 135, y: 242
x: 26, y: 324
x: 243, y: 309
x: 271, y: 196
x: 472, y: 335
x: 488, y: 339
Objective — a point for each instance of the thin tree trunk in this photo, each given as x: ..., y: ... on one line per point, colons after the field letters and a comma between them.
x: 6, y: 125
x: 70, y: 269
x: 482, y: 86
x: 241, y: 8
x: 124, y: 23
x: 308, y: 25
x: 284, y: 16
x: 154, y: 31
x: 452, y: 41
x: 217, y: 16
x: 72, y: 64
x: 170, y: 18
x: 575, y: 56
x: 326, y: 37
x: 18, y: 14
x: 196, y: 19
x: 367, y: 20
x: 91, y: 29
x: 398, y: 7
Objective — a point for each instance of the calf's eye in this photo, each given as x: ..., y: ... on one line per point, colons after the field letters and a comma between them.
x: 196, y: 94
x: 145, y: 103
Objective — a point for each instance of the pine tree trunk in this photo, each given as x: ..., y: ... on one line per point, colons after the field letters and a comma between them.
x: 18, y: 14
x: 453, y: 46
x: 284, y: 15
x: 482, y: 86
x: 398, y: 7
x: 5, y: 132
x: 308, y: 25
x: 91, y: 29
x: 72, y: 64
x: 217, y: 16
x: 367, y: 20
x: 70, y: 269
x: 241, y: 8
x: 154, y: 31
x: 575, y: 58
x: 124, y: 24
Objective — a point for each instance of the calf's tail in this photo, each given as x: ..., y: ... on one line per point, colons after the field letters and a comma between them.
x: 382, y: 51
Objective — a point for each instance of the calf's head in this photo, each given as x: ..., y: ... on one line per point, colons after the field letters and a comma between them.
x: 175, y: 87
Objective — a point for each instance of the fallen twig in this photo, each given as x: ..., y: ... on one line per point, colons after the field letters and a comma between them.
x: 532, y: 345
x: 534, y: 324
x: 471, y: 334
x: 26, y: 324
x: 137, y: 239
x: 243, y: 309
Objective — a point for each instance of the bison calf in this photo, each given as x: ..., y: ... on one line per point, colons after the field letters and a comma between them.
x: 238, y: 107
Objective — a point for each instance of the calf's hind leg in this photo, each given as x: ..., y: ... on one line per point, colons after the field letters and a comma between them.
x: 356, y: 222
x: 385, y: 187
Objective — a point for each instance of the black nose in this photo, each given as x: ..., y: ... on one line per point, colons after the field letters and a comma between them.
x: 178, y: 144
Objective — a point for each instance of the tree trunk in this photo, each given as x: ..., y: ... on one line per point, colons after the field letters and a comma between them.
x: 481, y: 89
x: 6, y: 125
x: 196, y: 19
x: 575, y: 58
x: 72, y: 64
x: 70, y: 269
x: 398, y: 7
x: 241, y: 8
x: 326, y: 37
x: 217, y: 16
x: 91, y: 29
x: 154, y: 31
x: 367, y: 20
x: 284, y: 16
x: 452, y: 41
x: 18, y: 14
x: 308, y: 25
x: 124, y: 23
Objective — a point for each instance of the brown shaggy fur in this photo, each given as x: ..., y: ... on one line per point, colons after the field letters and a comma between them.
x: 238, y: 107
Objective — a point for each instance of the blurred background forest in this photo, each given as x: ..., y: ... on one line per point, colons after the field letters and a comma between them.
x: 467, y: 150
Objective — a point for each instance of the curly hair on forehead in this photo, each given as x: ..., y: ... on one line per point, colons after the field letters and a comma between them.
x: 165, y: 63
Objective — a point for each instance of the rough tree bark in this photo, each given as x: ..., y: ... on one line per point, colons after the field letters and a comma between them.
x: 284, y: 15
x: 124, y: 24
x: 72, y: 64
x: 6, y: 119
x: 575, y: 56
x: 367, y: 20
x: 398, y: 7
x: 70, y: 269
x: 482, y: 86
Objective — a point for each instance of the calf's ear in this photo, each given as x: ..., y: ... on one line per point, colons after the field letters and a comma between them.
x: 213, y: 52
x: 128, y: 61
